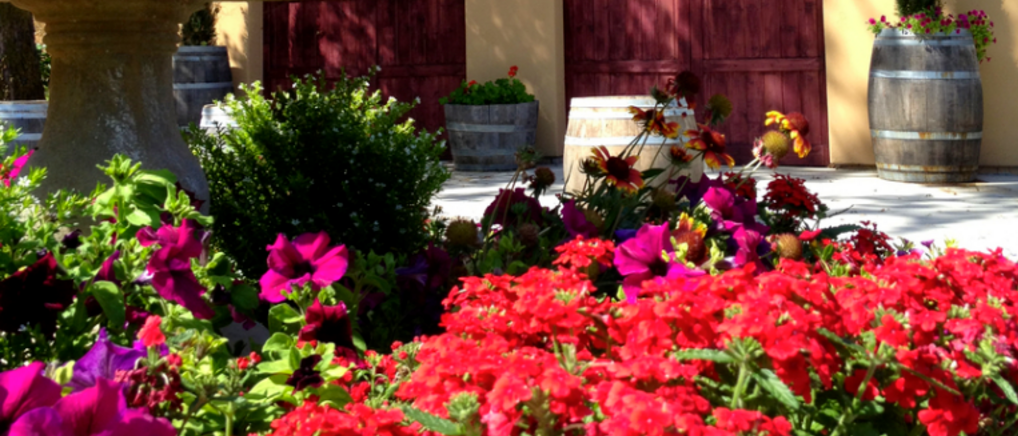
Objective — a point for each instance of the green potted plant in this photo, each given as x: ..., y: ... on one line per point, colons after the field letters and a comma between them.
x: 201, y: 70
x: 489, y: 122
x: 925, y: 92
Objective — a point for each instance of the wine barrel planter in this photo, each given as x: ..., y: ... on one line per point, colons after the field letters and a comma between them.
x: 201, y: 75
x: 606, y: 121
x: 28, y: 116
x: 925, y: 107
x: 486, y: 138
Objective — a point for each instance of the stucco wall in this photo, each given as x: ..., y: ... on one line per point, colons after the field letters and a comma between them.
x: 849, y: 45
x: 239, y: 28
x: 528, y: 34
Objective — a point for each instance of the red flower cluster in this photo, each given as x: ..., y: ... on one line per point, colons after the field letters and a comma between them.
x: 743, y: 188
x: 791, y: 201
x: 311, y: 419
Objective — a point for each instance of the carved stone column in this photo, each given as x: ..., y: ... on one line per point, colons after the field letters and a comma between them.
x: 112, y: 89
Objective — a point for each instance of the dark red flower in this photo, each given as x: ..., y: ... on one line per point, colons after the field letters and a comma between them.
x: 35, y: 296
x: 328, y: 324
x: 306, y: 376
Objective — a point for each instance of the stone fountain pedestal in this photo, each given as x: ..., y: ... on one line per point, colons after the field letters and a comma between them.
x: 111, y: 90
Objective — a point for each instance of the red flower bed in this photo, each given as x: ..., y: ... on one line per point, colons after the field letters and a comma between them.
x: 904, y: 344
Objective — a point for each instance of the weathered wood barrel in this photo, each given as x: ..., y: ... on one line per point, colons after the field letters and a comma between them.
x: 201, y: 75
x: 926, y: 107
x: 215, y: 117
x: 486, y: 138
x: 606, y: 121
x: 29, y: 116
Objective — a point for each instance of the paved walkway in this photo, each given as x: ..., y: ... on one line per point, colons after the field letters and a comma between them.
x: 979, y: 215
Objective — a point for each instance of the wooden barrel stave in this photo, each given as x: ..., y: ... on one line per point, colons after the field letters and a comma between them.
x: 28, y: 116
x: 606, y: 121
x: 486, y: 138
x: 201, y: 75
x: 926, y: 108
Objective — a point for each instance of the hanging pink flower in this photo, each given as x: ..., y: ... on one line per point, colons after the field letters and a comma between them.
x: 170, y: 266
x: 308, y: 259
x: 8, y: 174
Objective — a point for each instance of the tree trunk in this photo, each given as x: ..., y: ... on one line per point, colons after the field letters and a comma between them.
x: 20, y: 76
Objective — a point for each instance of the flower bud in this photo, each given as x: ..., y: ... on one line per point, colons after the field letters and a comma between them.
x: 776, y: 143
x: 788, y: 246
x: 544, y: 177
x: 462, y: 233
x: 530, y: 234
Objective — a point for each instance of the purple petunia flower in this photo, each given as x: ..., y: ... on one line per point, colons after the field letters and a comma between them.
x: 170, y: 266
x: 576, y: 222
x: 100, y: 410
x: 103, y: 361
x: 642, y: 258
x: 694, y: 191
x: 308, y: 259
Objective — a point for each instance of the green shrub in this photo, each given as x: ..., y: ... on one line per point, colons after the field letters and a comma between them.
x: 314, y: 159
x: 200, y: 28
x: 912, y: 7
x: 507, y: 90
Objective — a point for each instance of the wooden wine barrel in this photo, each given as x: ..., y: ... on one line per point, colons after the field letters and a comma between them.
x: 486, y: 138
x: 201, y: 76
x: 28, y: 116
x: 926, y: 107
x: 606, y: 121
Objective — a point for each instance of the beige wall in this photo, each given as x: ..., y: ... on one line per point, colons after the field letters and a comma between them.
x: 239, y: 28
x: 528, y: 34
x: 849, y: 45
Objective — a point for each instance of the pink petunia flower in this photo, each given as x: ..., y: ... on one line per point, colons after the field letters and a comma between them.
x: 308, y: 259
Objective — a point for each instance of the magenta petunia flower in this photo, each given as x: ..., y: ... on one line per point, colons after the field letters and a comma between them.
x: 170, y: 266
x: 731, y: 211
x: 103, y: 361
x: 25, y: 389
x: 308, y: 259
x: 576, y: 222
x: 100, y: 410
x: 328, y: 324
x: 642, y: 258
x: 15, y: 169
x: 750, y: 243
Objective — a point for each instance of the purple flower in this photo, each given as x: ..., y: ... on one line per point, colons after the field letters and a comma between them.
x: 928, y: 244
x: 35, y: 297
x: 328, y: 324
x: 642, y: 258
x: 731, y: 211
x: 429, y: 270
x: 170, y: 266
x: 694, y: 192
x: 576, y: 222
x: 106, y: 271
x: 25, y: 389
x: 502, y: 208
x: 623, y: 235
x: 308, y: 259
x: 306, y: 376
x: 750, y: 244
x: 103, y: 361
x: 100, y: 410
x: 138, y: 345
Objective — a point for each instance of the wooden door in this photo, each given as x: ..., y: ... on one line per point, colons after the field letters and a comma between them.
x: 762, y: 54
x: 420, y: 46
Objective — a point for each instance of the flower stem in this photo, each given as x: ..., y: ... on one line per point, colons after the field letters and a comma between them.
x: 740, y: 386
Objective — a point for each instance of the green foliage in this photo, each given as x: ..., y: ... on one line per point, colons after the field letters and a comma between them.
x: 319, y: 158
x: 200, y: 28
x: 507, y: 90
x: 45, y: 65
x: 912, y: 7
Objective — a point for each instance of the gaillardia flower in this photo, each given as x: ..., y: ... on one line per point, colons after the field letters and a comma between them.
x: 712, y: 144
x: 796, y: 126
x: 619, y: 172
x: 654, y: 121
x: 308, y: 259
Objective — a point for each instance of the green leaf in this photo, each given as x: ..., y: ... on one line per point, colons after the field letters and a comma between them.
x: 432, y: 422
x: 143, y: 217
x: 334, y: 395
x: 777, y: 388
x: 278, y: 342
x: 244, y: 297
x: 1006, y: 388
x: 838, y: 340
x: 334, y: 373
x: 111, y: 299
x: 281, y: 316
x: 272, y: 387
x: 718, y: 356
x: 282, y: 366
x: 358, y: 342
x: 64, y: 373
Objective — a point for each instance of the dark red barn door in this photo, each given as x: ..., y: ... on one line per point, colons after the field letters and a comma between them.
x: 762, y: 54
x: 420, y: 46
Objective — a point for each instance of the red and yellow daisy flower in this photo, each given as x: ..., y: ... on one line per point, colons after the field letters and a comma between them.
x: 654, y: 121
x: 618, y: 172
x: 796, y: 126
x: 712, y: 144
